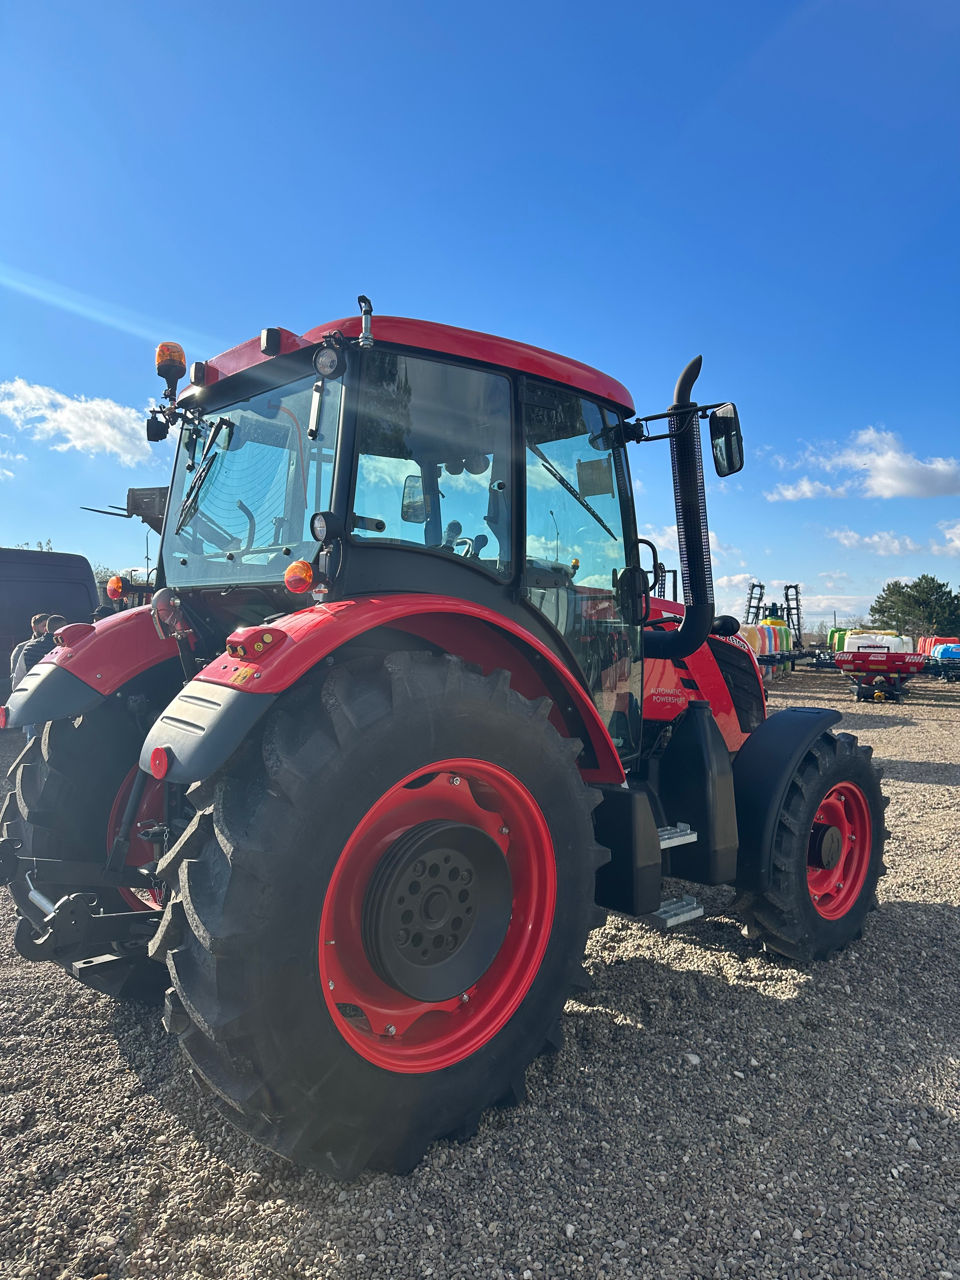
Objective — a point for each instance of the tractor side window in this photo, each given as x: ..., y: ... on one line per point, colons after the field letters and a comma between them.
x: 574, y: 524
x: 433, y: 458
x: 575, y: 545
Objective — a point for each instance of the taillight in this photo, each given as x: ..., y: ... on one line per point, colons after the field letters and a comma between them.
x: 160, y: 761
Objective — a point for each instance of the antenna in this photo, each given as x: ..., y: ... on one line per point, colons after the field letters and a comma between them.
x: 557, y: 527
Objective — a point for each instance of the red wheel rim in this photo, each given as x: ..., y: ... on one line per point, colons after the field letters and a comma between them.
x: 834, y: 890
x: 382, y: 1024
x: 150, y: 813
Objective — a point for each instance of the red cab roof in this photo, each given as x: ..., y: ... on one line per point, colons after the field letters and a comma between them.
x: 438, y: 337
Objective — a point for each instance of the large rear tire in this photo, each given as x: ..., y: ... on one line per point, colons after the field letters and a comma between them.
x: 376, y: 923
x: 827, y: 853
x: 70, y: 781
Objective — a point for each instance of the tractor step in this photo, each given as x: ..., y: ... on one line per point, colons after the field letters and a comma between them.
x: 670, y: 837
x: 674, y: 911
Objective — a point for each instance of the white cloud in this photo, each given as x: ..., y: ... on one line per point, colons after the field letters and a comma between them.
x: 665, y: 539
x: 951, y: 545
x: 73, y: 422
x: 824, y: 605
x: 5, y: 474
x: 805, y: 488
x: 891, y: 472
x: 881, y: 467
x: 838, y: 575
x: 734, y: 580
x: 883, y: 543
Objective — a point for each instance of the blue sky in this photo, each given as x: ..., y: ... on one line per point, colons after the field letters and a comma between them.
x: 774, y: 185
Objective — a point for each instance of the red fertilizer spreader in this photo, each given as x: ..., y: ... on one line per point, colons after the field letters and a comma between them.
x: 877, y: 674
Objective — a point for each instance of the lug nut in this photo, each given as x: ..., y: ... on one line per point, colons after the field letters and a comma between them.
x: 504, y: 831
x: 419, y: 868
x: 390, y: 1029
x: 330, y: 983
x: 454, y: 781
x: 403, y: 937
x: 464, y: 999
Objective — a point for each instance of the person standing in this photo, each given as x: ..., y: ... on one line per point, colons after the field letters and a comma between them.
x: 37, y: 627
x: 33, y: 651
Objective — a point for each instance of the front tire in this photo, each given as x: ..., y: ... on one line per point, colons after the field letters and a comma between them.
x: 376, y: 924
x: 827, y: 853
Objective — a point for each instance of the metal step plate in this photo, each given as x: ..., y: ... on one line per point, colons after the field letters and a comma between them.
x: 674, y: 911
x: 680, y: 834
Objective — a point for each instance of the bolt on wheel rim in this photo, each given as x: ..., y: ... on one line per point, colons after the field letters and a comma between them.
x: 838, y: 850
x: 489, y: 826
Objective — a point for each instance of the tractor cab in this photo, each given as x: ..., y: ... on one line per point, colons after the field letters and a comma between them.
x: 415, y: 457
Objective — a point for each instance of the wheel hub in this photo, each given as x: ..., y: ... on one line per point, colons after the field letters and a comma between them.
x: 826, y: 845
x: 437, y: 909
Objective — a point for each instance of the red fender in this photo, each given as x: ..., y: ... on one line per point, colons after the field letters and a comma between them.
x: 111, y: 652
x: 670, y: 686
x: 270, y: 658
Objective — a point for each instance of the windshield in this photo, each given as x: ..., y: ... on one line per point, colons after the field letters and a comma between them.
x: 242, y: 512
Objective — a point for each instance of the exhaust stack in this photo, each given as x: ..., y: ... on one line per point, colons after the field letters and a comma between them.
x: 692, y: 532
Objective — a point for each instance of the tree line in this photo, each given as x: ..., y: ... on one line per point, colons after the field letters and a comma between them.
x: 923, y: 607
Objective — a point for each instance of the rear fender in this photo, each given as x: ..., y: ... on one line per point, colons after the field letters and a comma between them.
x: 762, y: 771
x: 93, y: 662
x: 206, y: 722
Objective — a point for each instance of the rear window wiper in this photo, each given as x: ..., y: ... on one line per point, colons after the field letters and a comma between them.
x: 207, y: 458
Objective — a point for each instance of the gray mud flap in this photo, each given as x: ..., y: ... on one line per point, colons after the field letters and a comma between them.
x: 48, y: 692
x: 202, y: 727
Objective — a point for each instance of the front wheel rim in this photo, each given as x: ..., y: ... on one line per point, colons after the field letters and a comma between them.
x: 393, y: 1030
x: 844, y: 828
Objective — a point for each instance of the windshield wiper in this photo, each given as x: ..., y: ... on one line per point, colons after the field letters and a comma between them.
x: 573, y: 492
x: 192, y: 496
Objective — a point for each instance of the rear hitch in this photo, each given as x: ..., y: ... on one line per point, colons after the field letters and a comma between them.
x: 74, y: 931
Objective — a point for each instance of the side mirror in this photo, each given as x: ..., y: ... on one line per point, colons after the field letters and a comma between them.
x: 726, y: 440
x: 413, y: 508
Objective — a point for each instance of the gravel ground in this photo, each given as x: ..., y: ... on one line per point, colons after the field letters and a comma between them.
x: 714, y: 1112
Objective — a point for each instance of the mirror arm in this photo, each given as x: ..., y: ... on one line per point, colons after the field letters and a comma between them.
x: 635, y: 432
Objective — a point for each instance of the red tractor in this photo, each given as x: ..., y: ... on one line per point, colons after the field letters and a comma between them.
x: 404, y: 716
